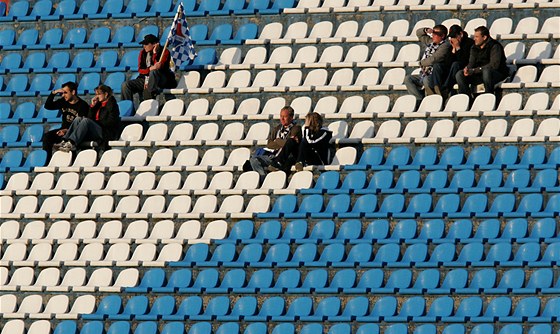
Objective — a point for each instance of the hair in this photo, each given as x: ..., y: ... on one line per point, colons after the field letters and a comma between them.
x: 314, y: 121
x: 104, y: 89
x: 442, y: 30
x: 455, y: 31
x: 71, y: 85
x: 290, y: 110
x: 483, y: 31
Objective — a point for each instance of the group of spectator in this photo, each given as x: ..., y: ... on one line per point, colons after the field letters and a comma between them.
x: 453, y: 58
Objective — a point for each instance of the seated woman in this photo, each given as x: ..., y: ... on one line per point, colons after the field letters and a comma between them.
x: 101, y: 124
x: 314, y: 149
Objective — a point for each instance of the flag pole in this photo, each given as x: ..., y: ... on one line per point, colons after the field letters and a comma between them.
x: 167, y: 39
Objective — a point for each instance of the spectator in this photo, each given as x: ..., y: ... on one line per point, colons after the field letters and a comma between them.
x: 71, y: 106
x: 315, y: 147
x: 287, y: 129
x: 438, y: 51
x: 487, y: 64
x: 155, y: 72
x: 461, y: 45
x: 101, y: 124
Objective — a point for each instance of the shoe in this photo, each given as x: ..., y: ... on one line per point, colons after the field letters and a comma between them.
x: 274, y: 166
x: 67, y: 147
x: 298, y: 166
x: 58, y: 145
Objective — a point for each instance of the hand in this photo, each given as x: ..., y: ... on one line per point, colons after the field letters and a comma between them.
x: 295, y: 138
x: 94, y: 100
x: 429, y: 31
x: 455, y: 43
x: 155, y: 66
x: 58, y: 91
x: 466, y: 72
x: 61, y: 132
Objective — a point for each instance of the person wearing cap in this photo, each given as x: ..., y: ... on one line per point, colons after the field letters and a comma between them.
x: 461, y: 45
x: 437, y: 51
x: 487, y: 64
x: 154, y: 70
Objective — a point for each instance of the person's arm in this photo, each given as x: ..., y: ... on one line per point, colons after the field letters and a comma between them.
x: 142, y: 69
x: 441, y: 55
x: 50, y: 103
x: 423, y: 36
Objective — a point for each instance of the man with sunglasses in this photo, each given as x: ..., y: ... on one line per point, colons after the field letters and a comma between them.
x: 437, y: 51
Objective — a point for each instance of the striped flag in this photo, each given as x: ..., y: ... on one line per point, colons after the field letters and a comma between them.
x: 179, y: 39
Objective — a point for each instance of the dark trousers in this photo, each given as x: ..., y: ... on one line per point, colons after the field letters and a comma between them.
x: 156, y: 80
x: 444, y: 77
x: 488, y: 77
x: 49, y: 139
x: 308, y: 155
x: 288, y: 154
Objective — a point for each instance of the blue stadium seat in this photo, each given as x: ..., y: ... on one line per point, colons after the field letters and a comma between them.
x: 407, y: 180
x: 425, y: 329
x: 195, y: 253
x: 115, y: 80
x: 243, y: 33
x: 35, y: 158
x: 342, y: 280
x: 359, y: 254
x: 440, y: 307
x: 376, y: 230
x: 278, y: 253
x: 153, y: 278
x: 74, y: 38
x: 487, y: 229
x: 332, y: 253
x: 391, y: 204
x: 302, y: 254
x: 109, y: 305
x: 6, y: 113
x: 123, y: 35
x: 201, y: 328
x: 506, y: 156
x: 24, y: 112
x: 41, y: 9
x: 431, y: 230
x: 261, y: 279
x: 41, y: 84
x: 18, y: 10
x: 454, y: 329
x: 87, y: 8
x: 411, y: 308
x: 58, y: 60
x: 244, y: 306
x: 349, y: 231
x: 514, y: 229
x: 326, y: 181
x: 482, y: 280
x: 253, y: 7
x: 550, y: 257
x: 11, y: 160
x: 204, y: 57
x: 532, y: 156
x: 384, y: 307
x: 107, y: 59
x: 311, y: 328
x: 490, y: 179
x: 242, y: 230
x: 497, y: 308
x: 338, y: 204
x: 552, y: 208
x: 88, y: 83
x: 403, y: 230
x: 499, y: 253
x: 283, y: 204
x: 368, y: 329
x: 9, y: 135
x: 355, y: 307
x: 108, y: 10
x: 190, y: 306
x: 417, y: 205
x: 511, y: 329
x: 31, y: 137
x: 199, y: 32
x: 92, y: 327
x: 287, y: 279
x: 443, y: 253
x: 250, y: 253
x: 204, y: 8
x: 373, y: 156
x: 525, y: 308
x: 216, y: 308
x: 2, y: 9
x: 66, y: 327
x: 285, y: 328
x: 340, y: 328
x: 352, y: 181
x: 270, y: 231
x: 125, y: 108
x: 546, y: 179
x: 12, y: 63
x: 17, y: 84
x: 472, y: 206
x: 541, y: 329
x: 478, y: 156
x: 65, y: 8
x: 550, y: 313
x: 553, y: 160
x: 322, y: 230
x: 97, y: 37
x: 137, y: 305
x: 49, y: 39
x: 519, y: 178
x: 425, y: 281
x: 148, y: 29
x: 469, y: 253
x: 450, y: 158
x: 228, y: 8
x: 511, y: 279
x: 147, y: 327
x: 7, y: 37
x: 469, y: 308
x: 454, y: 280
x: 425, y: 156
x: 433, y: 182
x: 129, y: 61
x: 232, y: 280
x: 133, y: 8
x: 205, y: 279
x: 158, y: 8
x: 369, y: 280
x: 379, y: 182
x: 222, y: 254
x: 229, y: 327
x: 278, y: 6
x: 483, y: 328
x: 364, y: 205
x: 461, y: 180
x: 460, y: 229
x: 399, y: 279
x: 540, y: 280
x: 398, y: 157
x: 543, y: 230
x: 253, y: 328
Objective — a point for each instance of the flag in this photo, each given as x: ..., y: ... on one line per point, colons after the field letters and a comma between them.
x: 179, y: 39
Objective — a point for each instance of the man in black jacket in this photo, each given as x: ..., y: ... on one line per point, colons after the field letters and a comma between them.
x: 101, y: 124
x: 487, y: 64
x: 461, y: 45
x: 71, y: 107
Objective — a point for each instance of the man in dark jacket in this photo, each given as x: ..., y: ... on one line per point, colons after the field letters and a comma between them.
x: 154, y: 71
x: 279, y: 135
x: 461, y: 45
x: 487, y: 64
x: 101, y: 125
x: 437, y: 51
x: 71, y: 107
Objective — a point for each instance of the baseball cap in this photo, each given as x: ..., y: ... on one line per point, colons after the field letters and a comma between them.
x: 149, y: 39
x: 455, y: 31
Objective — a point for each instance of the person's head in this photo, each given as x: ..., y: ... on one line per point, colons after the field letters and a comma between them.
x: 286, y: 115
x: 69, y: 91
x: 456, y: 32
x: 439, y: 33
x: 481, y: 35
x: 103, y: 92
x: 149, y: 42
x: 314, y: 121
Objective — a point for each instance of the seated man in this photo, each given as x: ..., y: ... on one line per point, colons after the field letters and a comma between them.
x: 71, y: 107
x: 276, y: 140
x: 487, y: 64
x: 438, y: 51
x: 155, y: 73
x: 101, y: 124
x: 461, y: 45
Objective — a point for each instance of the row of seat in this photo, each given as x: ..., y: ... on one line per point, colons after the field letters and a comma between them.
x: 92, y: 9
x: 14, y: 161
x: 112, y: 231
x: 31, y: 306
x: 304, y: 309
x: 32, y: 136
x: 17, y: 326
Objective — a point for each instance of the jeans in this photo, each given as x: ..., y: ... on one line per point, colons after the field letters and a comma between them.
x: 156, y: 80
x: 488, y: 77
x: 83, y: 129
x: 444, y: 77
x: 260, y: 162
x: 414, y: 84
